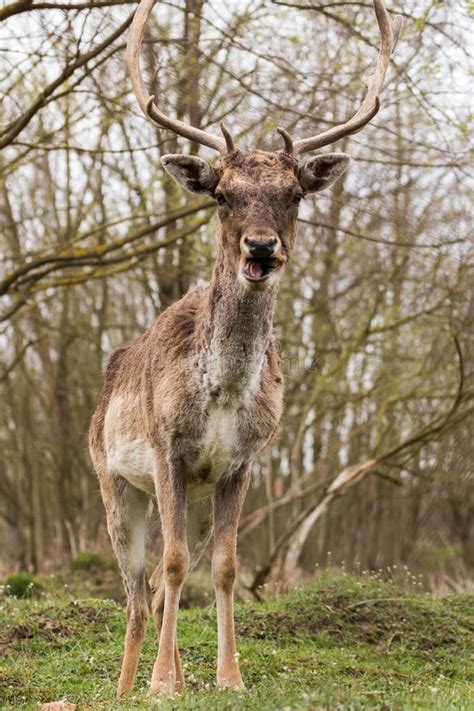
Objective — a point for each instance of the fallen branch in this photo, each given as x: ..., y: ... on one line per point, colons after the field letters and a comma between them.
x: 296, y: 536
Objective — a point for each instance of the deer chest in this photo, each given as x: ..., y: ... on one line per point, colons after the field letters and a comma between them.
x: 220, y: 448
x: 220, y: 442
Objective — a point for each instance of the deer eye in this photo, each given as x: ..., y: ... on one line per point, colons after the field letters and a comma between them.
x: 220, y: 199
x: 297, y: 198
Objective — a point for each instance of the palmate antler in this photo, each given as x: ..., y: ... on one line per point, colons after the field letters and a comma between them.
x: 147, y: 102
x: 389, y: 32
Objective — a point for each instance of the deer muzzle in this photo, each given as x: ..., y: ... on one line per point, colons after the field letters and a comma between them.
x: 261, y: 257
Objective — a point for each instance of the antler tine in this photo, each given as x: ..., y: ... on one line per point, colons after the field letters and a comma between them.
x: 228, y: 138
x: 145, y: 101
x: 287, y: 139
x: 389, y: 32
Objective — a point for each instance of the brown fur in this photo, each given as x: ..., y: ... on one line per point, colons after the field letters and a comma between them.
x: 188, y: 406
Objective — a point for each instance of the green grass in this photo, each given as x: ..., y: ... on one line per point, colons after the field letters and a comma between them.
x: 342, y: 643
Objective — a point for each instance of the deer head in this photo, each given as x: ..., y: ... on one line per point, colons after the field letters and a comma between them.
x: 258, y: 193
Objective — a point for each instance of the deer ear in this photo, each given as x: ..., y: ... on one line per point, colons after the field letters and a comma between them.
x: 193, y: 173
x: 322, y: 171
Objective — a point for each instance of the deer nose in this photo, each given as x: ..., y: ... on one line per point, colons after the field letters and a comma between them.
x: 261, y: 248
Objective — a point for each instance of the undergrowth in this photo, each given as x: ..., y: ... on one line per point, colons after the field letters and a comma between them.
x: 343, y: 642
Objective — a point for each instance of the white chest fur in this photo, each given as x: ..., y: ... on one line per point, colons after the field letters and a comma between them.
x: 220, y: 441
x: 218, y: 452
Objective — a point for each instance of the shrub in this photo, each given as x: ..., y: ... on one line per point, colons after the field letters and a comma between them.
x: 22, y: 585
x: 85, y: 560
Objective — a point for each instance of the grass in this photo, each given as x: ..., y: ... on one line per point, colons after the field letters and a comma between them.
x: 342, y: 643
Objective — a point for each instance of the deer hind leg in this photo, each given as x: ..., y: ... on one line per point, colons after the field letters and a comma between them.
x: 228, y: 500
x: 171, y: 496
x: 126, y: 509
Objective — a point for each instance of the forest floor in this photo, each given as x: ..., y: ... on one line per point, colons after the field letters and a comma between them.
x: 343, y: 642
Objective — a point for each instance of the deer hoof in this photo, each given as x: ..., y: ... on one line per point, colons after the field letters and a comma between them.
x: 164, y: 686
x: 123, y: 690
x: 230, y: 682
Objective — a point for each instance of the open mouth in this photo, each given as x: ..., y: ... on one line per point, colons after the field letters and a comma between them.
x: 257, y: 270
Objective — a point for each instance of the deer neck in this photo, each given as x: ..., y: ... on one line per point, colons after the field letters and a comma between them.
x: 237, y: 332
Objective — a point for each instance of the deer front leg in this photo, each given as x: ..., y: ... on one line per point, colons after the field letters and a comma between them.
x: 157, y: 606
x: 228, y: 499
x: 171, y: 496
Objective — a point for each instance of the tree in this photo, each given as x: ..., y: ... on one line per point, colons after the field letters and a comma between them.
x: 376, y: 317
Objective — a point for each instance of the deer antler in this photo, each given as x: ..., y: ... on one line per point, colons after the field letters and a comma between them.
x: 389, y: 32
x: 146, y: 102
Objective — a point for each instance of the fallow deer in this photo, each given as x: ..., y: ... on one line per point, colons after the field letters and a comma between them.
x: 186, y: 409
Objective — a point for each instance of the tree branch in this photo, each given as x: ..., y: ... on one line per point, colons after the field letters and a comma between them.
x: 15, y: 127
